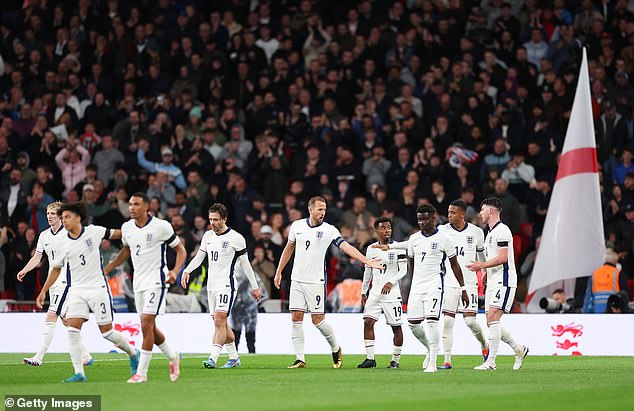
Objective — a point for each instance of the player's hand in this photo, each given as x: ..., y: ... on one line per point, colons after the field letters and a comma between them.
x: 475, y: 265
x: 106, y: 270
x: 172, y: 276
x: 484, y: 280
x: 383, y: 247
x: 41, y: 297
x: 21, y: 275
x: 375, y: 263
x: 184, y: 279
x: 364, y: 299
x: 278, y: 280
x: 387, y: 288
x: 257, y: 294
x: 465, y: 299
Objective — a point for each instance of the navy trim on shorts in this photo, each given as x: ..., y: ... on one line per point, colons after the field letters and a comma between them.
x: 62, y: 299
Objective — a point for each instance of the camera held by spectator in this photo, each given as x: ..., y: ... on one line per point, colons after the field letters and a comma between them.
x: 558, y: 304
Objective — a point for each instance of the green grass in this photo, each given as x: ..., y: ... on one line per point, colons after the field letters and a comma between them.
x: 264, y: 383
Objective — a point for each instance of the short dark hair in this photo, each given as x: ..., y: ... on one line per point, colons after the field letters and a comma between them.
x: 493, y: 202
x: 460, y: 204
x: 314, y: 199
x: 381, y: 220
x: 426, y: 208
x: 78, y: 208
x: 220, y: 209
x: 142, y: 196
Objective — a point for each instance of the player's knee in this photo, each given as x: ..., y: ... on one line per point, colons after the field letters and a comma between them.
x: 297, y: 316
x: 368, y: 323
x: 318, y: 318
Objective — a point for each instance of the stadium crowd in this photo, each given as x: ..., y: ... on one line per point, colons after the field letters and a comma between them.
x: 379, y: 106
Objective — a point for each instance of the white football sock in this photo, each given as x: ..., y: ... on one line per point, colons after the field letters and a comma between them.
x: 47, y: 338
x: 215, y: 352
x: 447, y: 336
x: 74, y: 350
x: 84, y: 352
x: 167, y: 350
x: 120, y: 341
x: 419, y: 333
x: 326, y: 330
x: 144, y: 362
x: 369, y: 349
x: 297, y: 337
x: 396, y: 353
x: 508, y: 338
x: 434, y: 338
x: 476, y: 330
x: 232, y: 350
x: 495, y: 335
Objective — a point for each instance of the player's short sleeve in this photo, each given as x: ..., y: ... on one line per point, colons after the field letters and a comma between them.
x: 239, y: 244
x: 124, y: 233
x: 292, y: 233
x: 410, y: 248
x: 479, y: 239
x: 100, y: 232
x: 504, y: 238
x: 60, y: 258
x: 335, y: 236
x: 169, y: 235
x: 39, y: 248
x: 448, y: 247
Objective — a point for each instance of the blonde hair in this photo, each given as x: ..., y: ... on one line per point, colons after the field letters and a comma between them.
x: 55, y: 206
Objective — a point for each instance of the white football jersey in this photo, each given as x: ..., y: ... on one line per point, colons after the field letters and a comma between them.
x: 48, y: 243
x: 430, y: 255
x: 148, y: 249
x: 222, y: 252
x: 394, y: 268
x: 505, y: 274
x: 81, y: 256
x: 467, y: 243
x: 311, y: 246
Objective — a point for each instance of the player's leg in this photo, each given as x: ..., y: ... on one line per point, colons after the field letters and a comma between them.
x: 520, y: 350
x: 469, y: 315
x: 219, y: 339
x: 316, y: 298
x: 57, y: 297
x: 74, y: 348
x: 230, y: 346
x: 415, y: 316
x: 493, y: 300
x: 250, y: 325
x: 319, y: 320
x: 447, y: 338
x: 398, y: 346
x: 297, y: 338
x: 433, y: 306
x: 475, y: 328
x: 393, y: 317
x: 298, y: 305
x: 368, y: 340
x: 101, y: 305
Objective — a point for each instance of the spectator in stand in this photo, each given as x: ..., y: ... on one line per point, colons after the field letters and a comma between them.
x: 72, y: 161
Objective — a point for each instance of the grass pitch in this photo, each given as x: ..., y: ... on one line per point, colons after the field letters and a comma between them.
x: 264, y: 383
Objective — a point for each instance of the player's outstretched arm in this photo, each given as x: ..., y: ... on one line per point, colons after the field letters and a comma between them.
x: 501, y: 258
x: 123, y: 255
x: 181, y: 255
x: 455, y: 266
x: 193, y: 264
x: 289, y: 249
x: 356, y: 254
x: 396, y: 245
x: 52, y: 277
x: 248, y: 271
x: 115, y: 234
x: 31, y: 264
